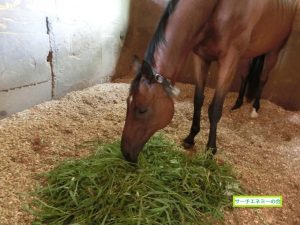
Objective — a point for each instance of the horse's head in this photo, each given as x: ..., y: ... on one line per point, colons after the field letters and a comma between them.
x: 149, y: 108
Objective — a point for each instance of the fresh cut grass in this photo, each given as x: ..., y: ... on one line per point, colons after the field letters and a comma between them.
x: 166, y: 187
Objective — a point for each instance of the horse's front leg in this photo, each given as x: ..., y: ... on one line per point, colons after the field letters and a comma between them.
x: 227, y: 68
x: 200, y: 73
x: 189, y: 141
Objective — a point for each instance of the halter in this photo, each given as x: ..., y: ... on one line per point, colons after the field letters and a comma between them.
x: 171, y: 90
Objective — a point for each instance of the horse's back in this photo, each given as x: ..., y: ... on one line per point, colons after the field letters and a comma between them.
x: 273, y: 26
x: 254, y: 27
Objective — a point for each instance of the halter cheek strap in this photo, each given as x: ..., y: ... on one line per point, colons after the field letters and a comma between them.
x: 166, y: 83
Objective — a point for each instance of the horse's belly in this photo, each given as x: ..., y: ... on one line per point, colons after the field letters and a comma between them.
x: 264, y: 44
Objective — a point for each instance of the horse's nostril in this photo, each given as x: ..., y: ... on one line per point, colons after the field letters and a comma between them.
x: 126, y: 156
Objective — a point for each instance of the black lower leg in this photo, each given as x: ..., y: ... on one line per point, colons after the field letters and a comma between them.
x: 198, y: 102
x: 240, y: 100
x: 256, y: 103
x: 215, y: 113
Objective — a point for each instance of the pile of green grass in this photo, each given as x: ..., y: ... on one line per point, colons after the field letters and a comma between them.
x: 165, y: 187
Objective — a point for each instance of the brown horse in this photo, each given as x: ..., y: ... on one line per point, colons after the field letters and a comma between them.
x: 225, y: 31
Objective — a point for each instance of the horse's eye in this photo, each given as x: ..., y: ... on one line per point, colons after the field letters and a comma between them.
x: 141, y: 112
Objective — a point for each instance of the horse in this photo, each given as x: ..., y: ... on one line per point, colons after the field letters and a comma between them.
x: 225, y: 31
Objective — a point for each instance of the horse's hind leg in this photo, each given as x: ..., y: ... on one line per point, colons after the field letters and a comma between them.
x: 240, y: 99
x: 200, y: 73
x: 243, y: 73
x: 256, y: 103
x: 270, y: 62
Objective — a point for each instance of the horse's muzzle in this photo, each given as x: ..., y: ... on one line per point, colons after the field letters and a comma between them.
x: 129, y: 152
x: 129, y: 158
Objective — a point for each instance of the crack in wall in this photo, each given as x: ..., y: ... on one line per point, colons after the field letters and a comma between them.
x: 50, y: 56
x: 24, y: 86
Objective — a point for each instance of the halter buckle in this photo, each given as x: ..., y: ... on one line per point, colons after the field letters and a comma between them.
x: 159, y: 78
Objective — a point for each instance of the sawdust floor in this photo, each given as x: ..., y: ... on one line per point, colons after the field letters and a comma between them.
x: 264, y: 152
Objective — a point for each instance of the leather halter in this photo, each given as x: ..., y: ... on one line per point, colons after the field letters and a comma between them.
x: 171, y: 90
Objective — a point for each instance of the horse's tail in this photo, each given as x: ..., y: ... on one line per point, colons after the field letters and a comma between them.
x: 255, y: 72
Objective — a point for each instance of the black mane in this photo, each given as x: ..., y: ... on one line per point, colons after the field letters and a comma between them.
x: 158, y: 38
x: 159, y: 35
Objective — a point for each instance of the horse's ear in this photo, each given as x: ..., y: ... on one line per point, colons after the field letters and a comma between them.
x: 137, y: 63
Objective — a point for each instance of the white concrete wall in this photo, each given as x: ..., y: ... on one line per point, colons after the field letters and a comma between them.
x: 48, y: 47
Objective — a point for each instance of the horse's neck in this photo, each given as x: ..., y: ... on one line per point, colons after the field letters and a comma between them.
x: 181, y: 34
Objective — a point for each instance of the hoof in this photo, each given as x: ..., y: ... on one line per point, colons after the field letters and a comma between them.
x: 254, y: 114
x: 188, y: 145
x: 213, y: 150
x: 237, y: 105
x: 188, y: 142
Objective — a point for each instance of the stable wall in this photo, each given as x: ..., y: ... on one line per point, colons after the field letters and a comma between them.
x: 284, y: 81
x: 48, y: 48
